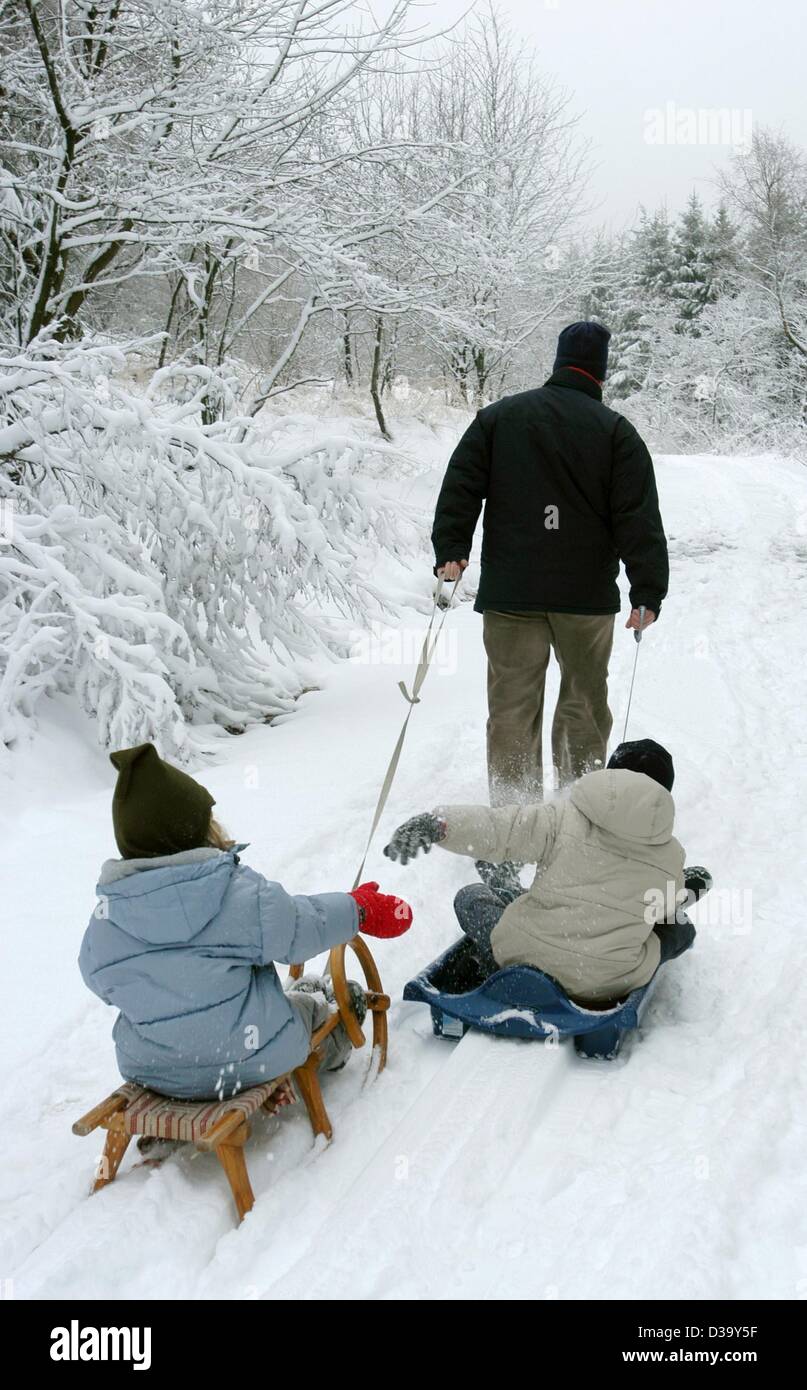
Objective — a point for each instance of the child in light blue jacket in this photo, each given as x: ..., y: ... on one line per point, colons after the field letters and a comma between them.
x: 184, y: 939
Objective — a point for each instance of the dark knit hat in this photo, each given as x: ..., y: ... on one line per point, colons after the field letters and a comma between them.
x: 647, y: 756
x: 584, y: 344
x: 156, y: 809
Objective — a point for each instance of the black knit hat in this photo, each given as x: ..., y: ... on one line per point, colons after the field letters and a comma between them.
x: 156, y: 809
x: 584, y: 344
x: 647, y: 756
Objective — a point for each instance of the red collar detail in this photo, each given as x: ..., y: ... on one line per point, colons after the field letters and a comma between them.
x: 583, y: 372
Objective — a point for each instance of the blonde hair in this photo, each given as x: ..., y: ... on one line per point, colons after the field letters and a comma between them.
x: 217, y: 837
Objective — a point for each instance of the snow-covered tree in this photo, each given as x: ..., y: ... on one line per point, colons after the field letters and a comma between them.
x: 723, y: 251
x: 163, y: 571
x: 162, y: 557
x: 767, y: 187
x: 731, y: 379
x: 654, y: 252
x: 613, y: 297
x: 691, y: 271
x: 190, y: 152
x: 498, y: 268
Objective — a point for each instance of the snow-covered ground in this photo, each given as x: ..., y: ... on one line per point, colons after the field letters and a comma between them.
x: 489, y: 1168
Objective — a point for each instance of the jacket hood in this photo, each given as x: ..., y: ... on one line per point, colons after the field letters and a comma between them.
x: 168, y: 899
x: 626, y: 804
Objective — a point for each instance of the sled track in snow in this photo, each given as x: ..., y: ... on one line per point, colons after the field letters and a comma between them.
x: 440, y: 1145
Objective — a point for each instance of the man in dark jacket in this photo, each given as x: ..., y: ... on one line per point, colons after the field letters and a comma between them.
x: 569, y: 491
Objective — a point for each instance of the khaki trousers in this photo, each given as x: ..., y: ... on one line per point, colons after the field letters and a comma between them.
x: 518, y: 648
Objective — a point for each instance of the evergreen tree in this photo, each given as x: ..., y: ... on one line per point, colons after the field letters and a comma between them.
x: 654, y: 252
x: 692, y: 283
x: 723, y: 252
x: 613, y: 298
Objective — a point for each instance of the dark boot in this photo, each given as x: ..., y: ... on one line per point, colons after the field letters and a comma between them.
x: 501, y: 878
x: 697, y: 881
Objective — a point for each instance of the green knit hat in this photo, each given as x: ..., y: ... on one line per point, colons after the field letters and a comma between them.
x: 156, y: 809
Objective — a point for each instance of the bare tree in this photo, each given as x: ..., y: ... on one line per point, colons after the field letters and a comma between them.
x: 767, y: 187
x: 499, y: 270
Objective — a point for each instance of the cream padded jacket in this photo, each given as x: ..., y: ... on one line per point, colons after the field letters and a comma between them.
x: 607, y: 863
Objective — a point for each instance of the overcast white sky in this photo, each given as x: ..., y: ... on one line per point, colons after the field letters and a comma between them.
x: 622, y: 58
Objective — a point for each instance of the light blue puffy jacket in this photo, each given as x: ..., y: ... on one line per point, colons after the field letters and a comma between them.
x: 183, y: 946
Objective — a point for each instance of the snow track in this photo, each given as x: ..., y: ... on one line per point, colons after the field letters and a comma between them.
x: 489, y: 1168
x: 437, y: 1162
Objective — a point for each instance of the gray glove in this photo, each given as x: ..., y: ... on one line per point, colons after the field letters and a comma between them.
x: 419, y: 833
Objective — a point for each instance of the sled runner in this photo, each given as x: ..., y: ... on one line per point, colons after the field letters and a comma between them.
x: 223, y: 1127
x: 520, y: 1002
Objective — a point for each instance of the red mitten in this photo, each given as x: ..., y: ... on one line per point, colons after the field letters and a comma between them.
x: 380, y: 914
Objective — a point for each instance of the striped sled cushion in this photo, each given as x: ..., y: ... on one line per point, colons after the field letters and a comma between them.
x: 187, y: 1120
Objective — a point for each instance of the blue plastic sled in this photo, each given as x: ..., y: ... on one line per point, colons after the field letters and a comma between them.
x: 520, y: 1002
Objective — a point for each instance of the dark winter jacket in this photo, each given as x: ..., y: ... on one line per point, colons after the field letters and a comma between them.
x: 569, y: 491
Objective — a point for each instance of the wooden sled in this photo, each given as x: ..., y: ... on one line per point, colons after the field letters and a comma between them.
x: 223, y: 1127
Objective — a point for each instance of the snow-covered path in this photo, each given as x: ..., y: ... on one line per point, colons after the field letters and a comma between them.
x: 492, y: 1168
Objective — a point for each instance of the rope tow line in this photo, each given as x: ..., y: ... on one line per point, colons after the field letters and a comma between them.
x: 638, y: 635
x: 422, y: 670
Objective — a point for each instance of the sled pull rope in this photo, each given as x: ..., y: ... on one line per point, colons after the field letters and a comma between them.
x: 427, y: 651
x: 638, y: 636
